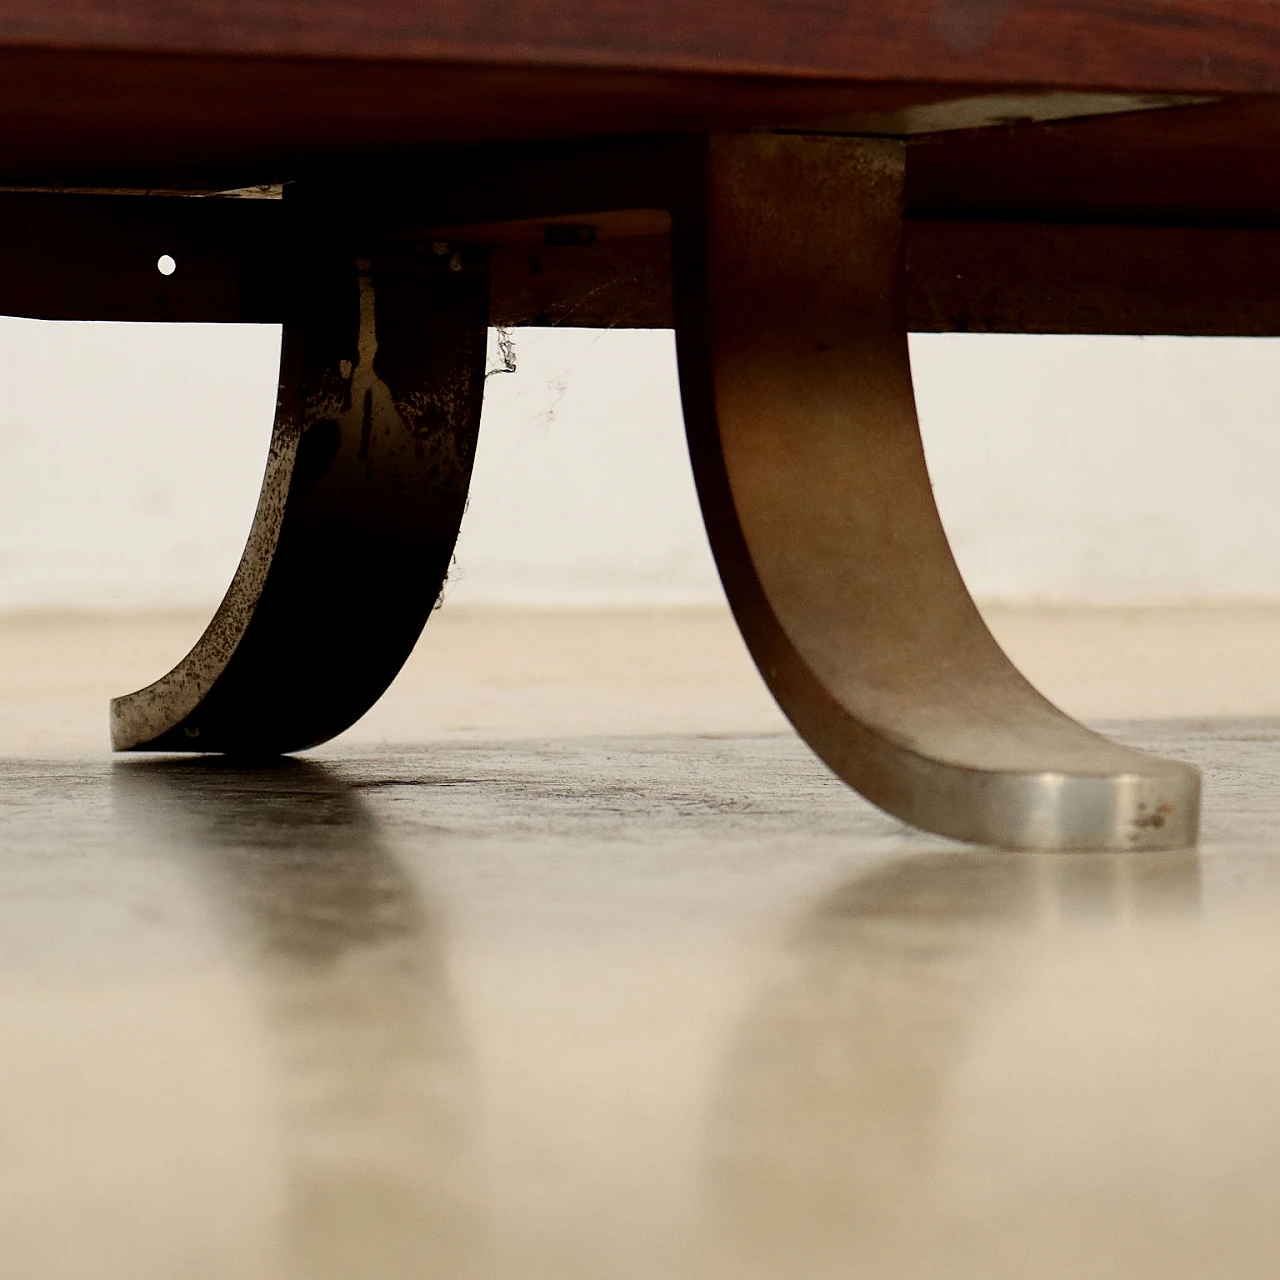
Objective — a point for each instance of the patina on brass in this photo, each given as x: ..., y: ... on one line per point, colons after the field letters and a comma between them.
x: 381, y: 384
x: 788, y: 292
x: 802, y: 426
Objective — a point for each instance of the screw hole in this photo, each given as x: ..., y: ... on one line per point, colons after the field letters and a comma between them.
x: 166, y: 265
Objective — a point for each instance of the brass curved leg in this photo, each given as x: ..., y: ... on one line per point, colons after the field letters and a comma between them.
x: 806, y: 448
x: 382, y: 377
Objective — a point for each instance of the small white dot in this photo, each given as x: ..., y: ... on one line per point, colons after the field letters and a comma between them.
x: 166, y: 265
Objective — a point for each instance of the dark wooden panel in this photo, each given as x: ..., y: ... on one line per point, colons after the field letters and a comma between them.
x: 94, y: 257
x: 166, y: 121
x: 961, y: 277
x: 155, y: 120
x: 614, y: 284
x: 1190, y: 164
x: 985, y: 277
x: 222, y: 92
x: 1203, y: 45
x: 116, y: 120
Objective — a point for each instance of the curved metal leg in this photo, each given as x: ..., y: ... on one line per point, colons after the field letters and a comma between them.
x: 382, y: 378
x: 805, y: 444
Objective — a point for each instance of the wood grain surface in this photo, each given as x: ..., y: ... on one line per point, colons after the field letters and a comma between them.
x: 1198, y: 45
x: 234, y: 120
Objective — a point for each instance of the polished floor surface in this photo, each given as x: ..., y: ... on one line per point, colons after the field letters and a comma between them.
x: 647, y: 1005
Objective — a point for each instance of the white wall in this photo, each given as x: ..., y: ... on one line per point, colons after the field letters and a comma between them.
x: 1067, y: 469
x: 1106, y: 469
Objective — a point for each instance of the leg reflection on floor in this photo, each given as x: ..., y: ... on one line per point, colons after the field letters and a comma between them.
x: 374, y: 1081
x: 589, y: 1009
x: 838, y: 1128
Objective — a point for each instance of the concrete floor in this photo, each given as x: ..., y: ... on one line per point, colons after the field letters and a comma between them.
x: 606, y: 978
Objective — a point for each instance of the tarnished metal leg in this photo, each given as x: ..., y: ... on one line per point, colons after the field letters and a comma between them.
x: 805, y: 444
x: 382, y: 378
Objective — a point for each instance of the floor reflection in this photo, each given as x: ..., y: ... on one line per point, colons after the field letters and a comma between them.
x: 377, y: 1095
x: 831, y: 1140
